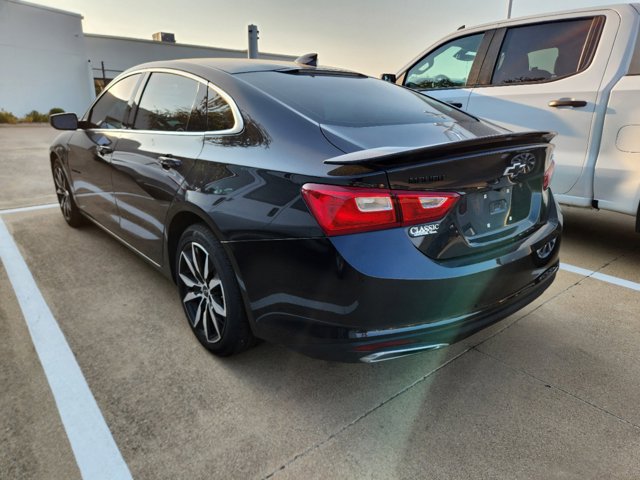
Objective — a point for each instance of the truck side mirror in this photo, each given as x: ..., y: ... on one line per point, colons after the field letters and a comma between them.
x: 388, y: 77
x: 64, y: 121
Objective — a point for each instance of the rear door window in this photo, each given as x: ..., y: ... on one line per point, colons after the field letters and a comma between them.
x: 112, y: 108
x: 448, y: 66
x: 543, y: 52
x: 167, y: 104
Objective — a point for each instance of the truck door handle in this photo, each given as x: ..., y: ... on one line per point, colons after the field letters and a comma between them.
x: 567, y: 103
x: 104, y: 149
x: 455, y: 104
x: 167, y: 162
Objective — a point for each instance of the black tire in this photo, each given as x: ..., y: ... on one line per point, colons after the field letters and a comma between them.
x: 210, y: 294
x: 68, y: 206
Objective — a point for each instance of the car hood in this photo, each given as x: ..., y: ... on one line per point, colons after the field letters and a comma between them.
x: 352, y: 139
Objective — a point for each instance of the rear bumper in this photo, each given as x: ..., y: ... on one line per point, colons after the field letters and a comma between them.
x: 375, y: 296
x: 377, y: 345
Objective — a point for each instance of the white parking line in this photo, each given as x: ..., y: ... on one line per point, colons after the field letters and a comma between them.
x: 29, y: 209
x: 603, y: 277
x: 93, y: 446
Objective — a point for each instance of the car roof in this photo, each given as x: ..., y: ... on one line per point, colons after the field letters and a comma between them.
x: 232, y: 66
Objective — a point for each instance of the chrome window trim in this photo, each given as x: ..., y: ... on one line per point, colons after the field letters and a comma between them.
x: 235, y: 111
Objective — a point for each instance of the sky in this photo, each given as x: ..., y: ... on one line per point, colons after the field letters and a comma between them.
x: 369, y: 36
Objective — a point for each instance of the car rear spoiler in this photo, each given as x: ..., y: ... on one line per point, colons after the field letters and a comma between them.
x: 384, y: 156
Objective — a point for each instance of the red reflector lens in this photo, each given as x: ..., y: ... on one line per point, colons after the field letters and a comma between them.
x: 343, y: 210
x: 425, y: 207
x: 548, y: 174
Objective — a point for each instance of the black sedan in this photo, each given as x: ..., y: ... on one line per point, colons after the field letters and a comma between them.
x: 342, y: 216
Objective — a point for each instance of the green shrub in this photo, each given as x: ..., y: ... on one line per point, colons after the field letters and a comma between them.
x: 7, y: 117
x: 32, y: 117
x: 35, y: 117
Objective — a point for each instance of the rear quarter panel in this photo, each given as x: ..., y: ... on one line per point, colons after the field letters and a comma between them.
x: 249, y: 183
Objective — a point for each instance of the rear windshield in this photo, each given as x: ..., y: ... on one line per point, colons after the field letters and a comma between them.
x: 354, y: 101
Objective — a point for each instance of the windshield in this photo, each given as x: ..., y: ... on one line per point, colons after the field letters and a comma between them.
x: 351, y: 100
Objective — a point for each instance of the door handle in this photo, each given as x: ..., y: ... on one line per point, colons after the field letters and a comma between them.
x: 104, y: 149
x: 168, y: 162
x: 567, y: 103
x: 455, y: 104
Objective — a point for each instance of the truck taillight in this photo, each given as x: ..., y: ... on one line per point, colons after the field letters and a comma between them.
x: 548, y: 174
x: 342, y: 210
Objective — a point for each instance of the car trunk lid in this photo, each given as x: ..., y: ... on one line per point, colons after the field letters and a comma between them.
x: 499, y: 179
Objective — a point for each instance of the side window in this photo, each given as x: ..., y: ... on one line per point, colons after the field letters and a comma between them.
x: 542, y: 52
x: 213, y: 112
x: 219, y: 116
x: 198, y: 120
x: 167, y: 103
x: 448, y: 66
x: 112, y: 109
x: 634, y: 67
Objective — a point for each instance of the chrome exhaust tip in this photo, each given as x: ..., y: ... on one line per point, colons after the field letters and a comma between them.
x: 400, y: 352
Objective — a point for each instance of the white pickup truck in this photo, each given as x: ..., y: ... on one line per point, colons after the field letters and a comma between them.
x: 576, y: 73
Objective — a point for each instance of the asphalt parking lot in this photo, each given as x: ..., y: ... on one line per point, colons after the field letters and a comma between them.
x: 550, y: 392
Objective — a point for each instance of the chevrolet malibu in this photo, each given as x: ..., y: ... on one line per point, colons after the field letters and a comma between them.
x: 339, y: 215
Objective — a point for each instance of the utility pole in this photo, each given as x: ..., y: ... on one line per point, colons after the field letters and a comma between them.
x: 252, y: 52
x: 509, y: 6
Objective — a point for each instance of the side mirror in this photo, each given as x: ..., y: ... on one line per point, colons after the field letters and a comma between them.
x: 64, y: 121
x: 389, y: 77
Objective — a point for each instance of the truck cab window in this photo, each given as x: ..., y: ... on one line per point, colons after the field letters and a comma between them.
x: 447, y: 66
x: 541, y: 52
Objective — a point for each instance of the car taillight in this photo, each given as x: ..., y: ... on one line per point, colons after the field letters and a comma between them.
x: 342, y: 210
x: 548, y: 174
x: 424, y: 207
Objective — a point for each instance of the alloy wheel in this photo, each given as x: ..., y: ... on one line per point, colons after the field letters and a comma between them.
x: 62, y: 191
x: 202, y: 292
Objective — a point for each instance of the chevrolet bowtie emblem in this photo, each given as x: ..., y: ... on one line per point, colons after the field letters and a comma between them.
x: 521, y: 164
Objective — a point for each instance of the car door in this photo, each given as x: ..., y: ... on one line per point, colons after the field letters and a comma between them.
x: 91, y: 149
x: 152, y: 159
x: 546, y: 76
x: 448, y: 71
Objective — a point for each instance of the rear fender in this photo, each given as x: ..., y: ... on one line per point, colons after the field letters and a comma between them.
x: 180, y: 207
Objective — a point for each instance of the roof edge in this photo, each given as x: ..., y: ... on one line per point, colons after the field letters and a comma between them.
x: 173, y: 45
x: 47, y: 8
x: 611, y: 6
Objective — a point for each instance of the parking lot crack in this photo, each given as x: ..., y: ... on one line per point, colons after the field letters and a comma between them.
x: 333, y: 435
x: 557, y: 388
x: 364, y: 415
